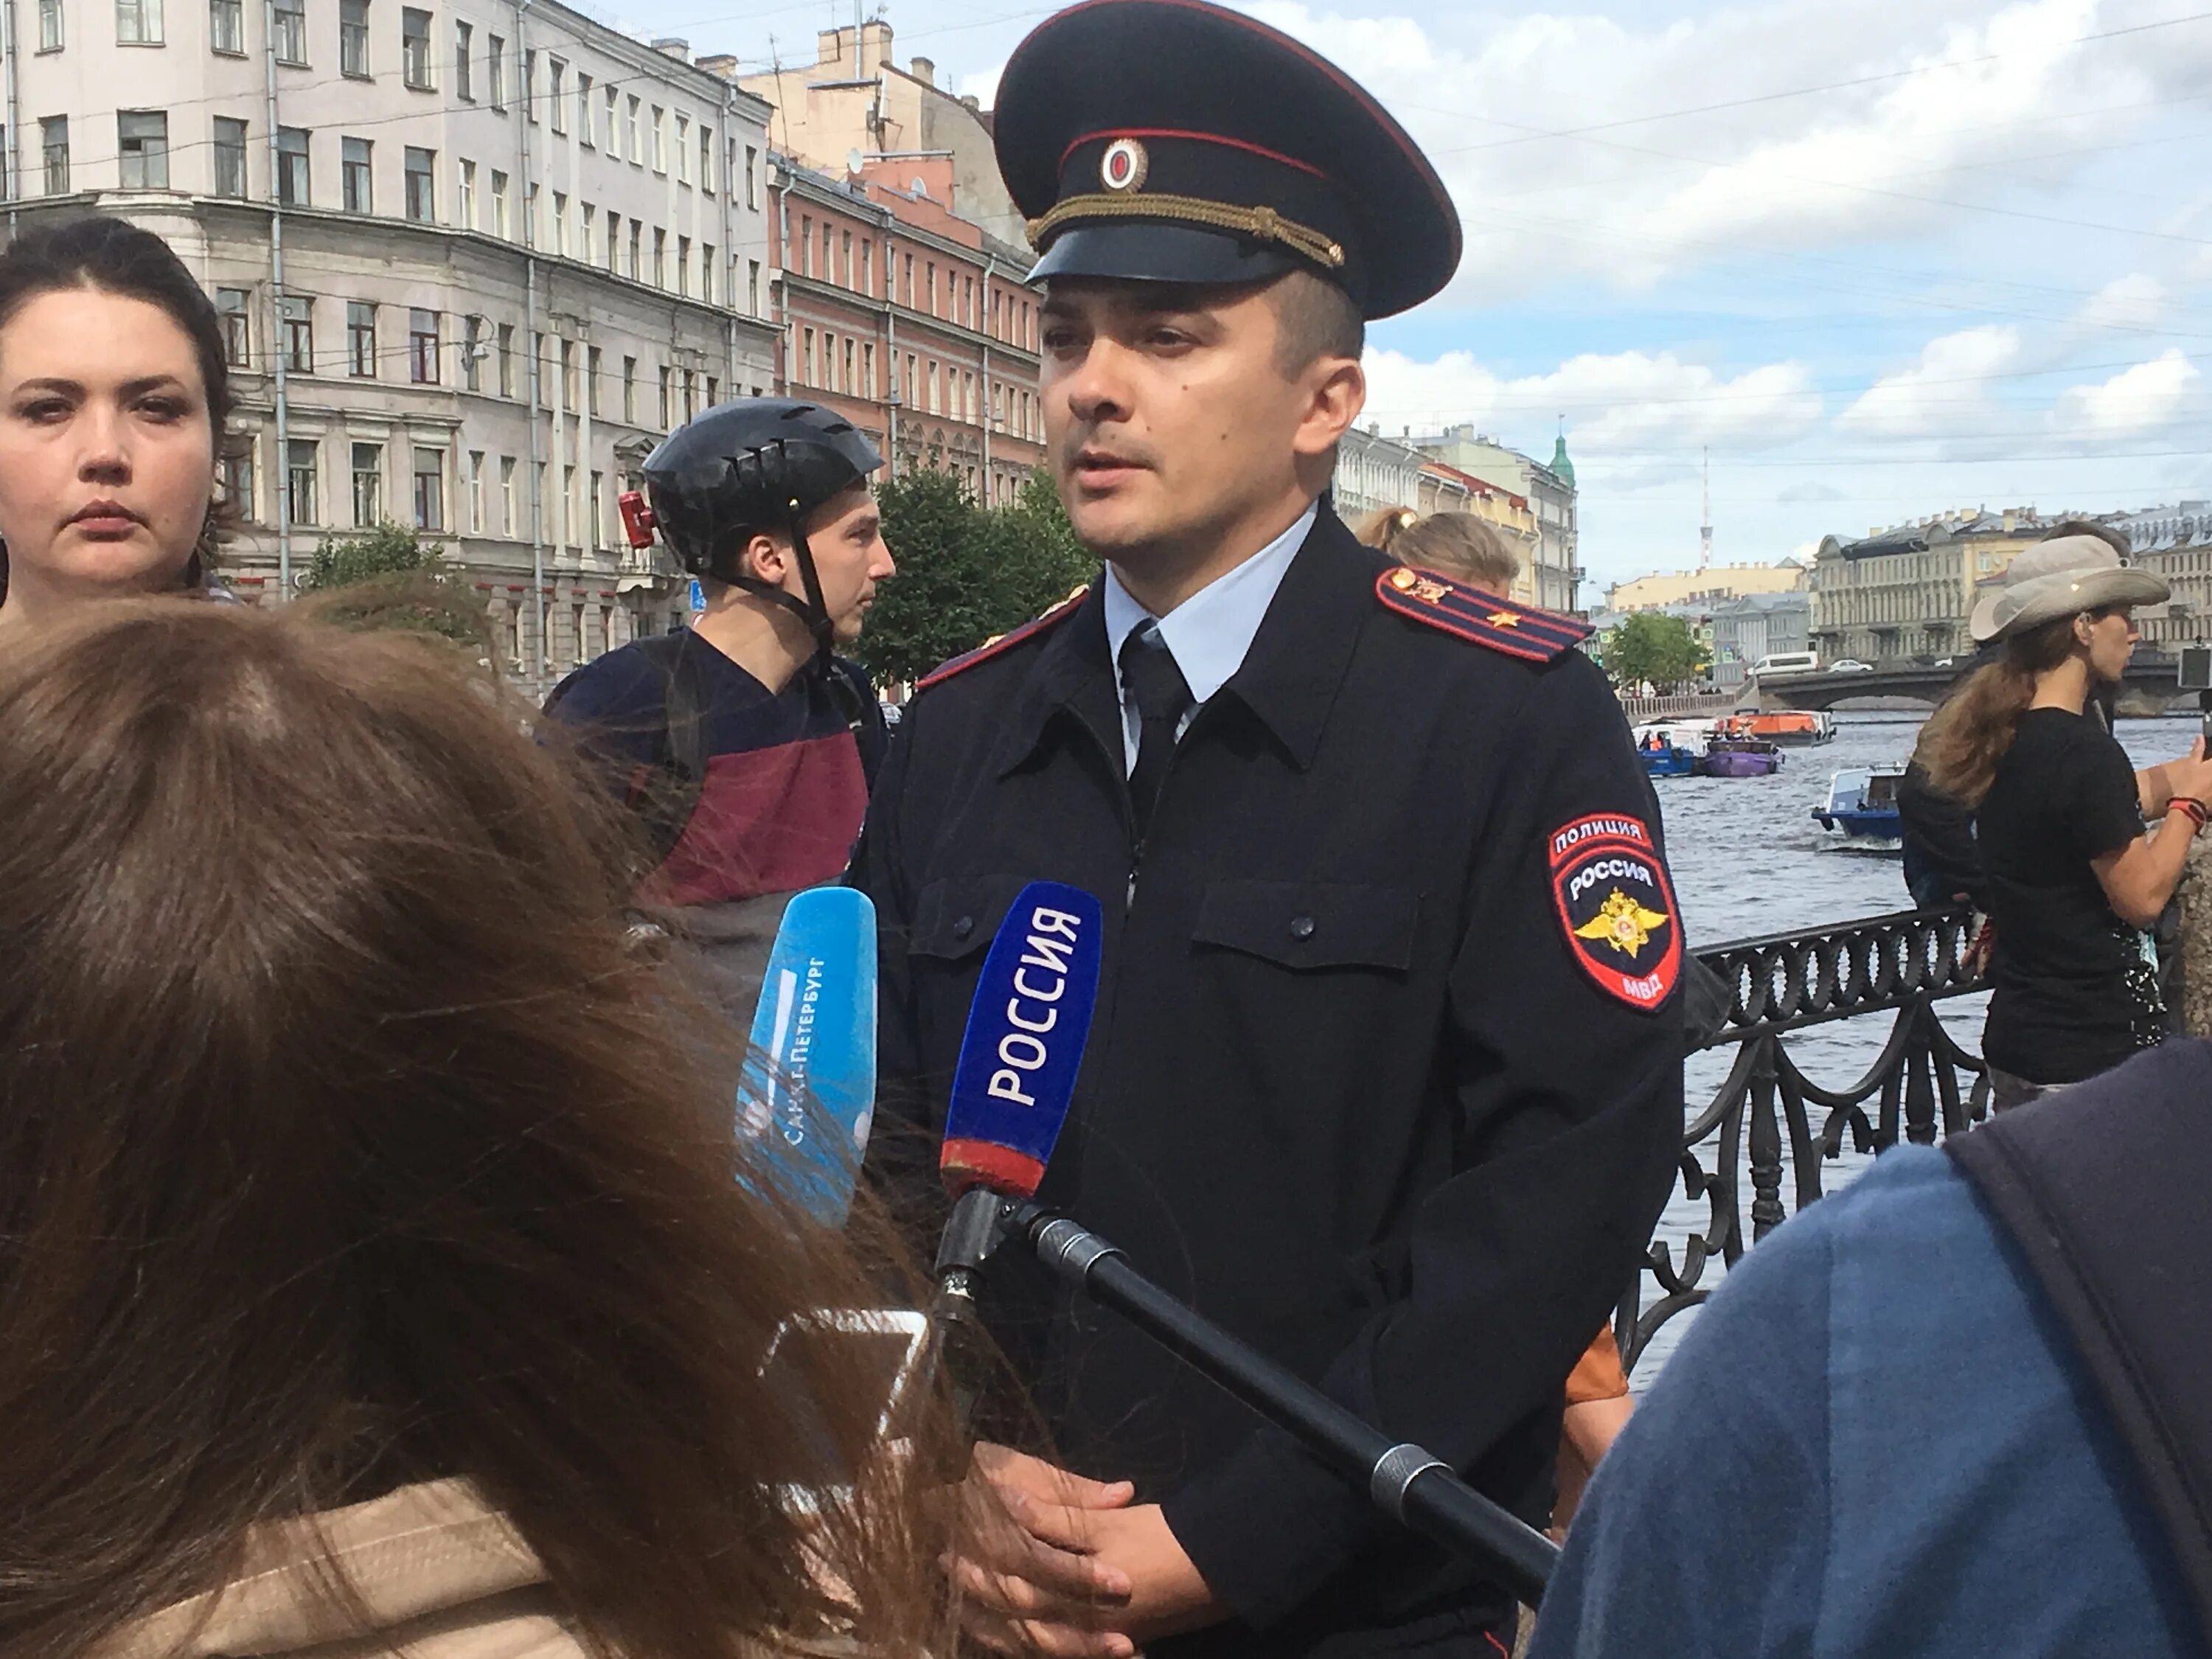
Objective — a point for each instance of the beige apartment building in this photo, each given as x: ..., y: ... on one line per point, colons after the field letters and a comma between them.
x: 1712, y: 586
x: 472, y: 262
x: 854, y: 105
x: 1549, y: 490
x: 1907, y: 591
x: 2175, y: 542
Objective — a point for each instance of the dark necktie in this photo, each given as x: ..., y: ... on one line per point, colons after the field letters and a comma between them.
x: 1163, y: 697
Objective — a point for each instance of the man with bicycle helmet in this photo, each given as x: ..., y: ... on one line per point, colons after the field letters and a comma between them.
x: 744, y: 744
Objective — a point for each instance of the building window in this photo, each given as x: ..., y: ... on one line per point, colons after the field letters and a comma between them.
x: 475, y: 492
x: 422, y: 185
x: 630, y: 390
x: 660, y: 258
x: 663, y: 398
x: 707, y: 272
x: 683, y: 150
x: 560, y: 224
x: 414, y: 50
x: 361, y: 339
x: 507, y: 360
x: 683, y: 266
x: 591, y: 381
x: 587, y: 235
x: 230, y: 307
x: 299, y: 460
x: 636, y: 150
x: 529, y: 218
x: 230, y: 157
x: 806, y: 374
x: 430, y: 489
x: 227, y: 26
x: 570, y: 512
x: 705, y: 161
x: 292, y: 175
x: 422, y: 346
x: 714, y: 393
x: 468, y: 198
x: 142, y: 137
x: 614, y: 139
x: 659, y: 139
x: 499, y: 226
x: 556, y: 93
x: 367, y: 485
x: 353, y: 39
x: 53, y: 140
x: 49, y: 25
x: 614, y: 239
x: 570, y: 402
x: 598, y: 525
x: 846, y: 385
x: 292, y: 31
x: 636, y: 242
x: 472, y: 351
x: 506, y: 495
x: 752, y: 176
x: 235, y: 476
x: 356, y: 188
x: 496, y: 71
x: 464, y: 80
x: 530, y: 86
x: 752, y: 288
x: 297, y: 314
x: 138, y: 23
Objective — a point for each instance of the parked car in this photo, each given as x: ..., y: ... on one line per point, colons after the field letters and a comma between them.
x: 1850, y: 665
x: 1786, y: 662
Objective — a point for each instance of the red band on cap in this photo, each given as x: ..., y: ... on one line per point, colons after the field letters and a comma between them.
x: 1196, y: 138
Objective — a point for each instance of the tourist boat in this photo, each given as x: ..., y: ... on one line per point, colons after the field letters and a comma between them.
x: 1671, y: 749
x: 1740, y: 757
x: 1862, y: 803
x: 1787, y: 725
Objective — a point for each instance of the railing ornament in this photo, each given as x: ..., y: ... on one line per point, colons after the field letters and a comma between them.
x: 1782, y: 984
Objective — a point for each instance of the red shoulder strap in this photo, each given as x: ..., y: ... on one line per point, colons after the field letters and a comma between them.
x: 991, y: 647
x: 1518, y: 630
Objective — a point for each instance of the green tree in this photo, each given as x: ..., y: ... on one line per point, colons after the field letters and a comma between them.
x: 966, y: 572
x: 385, y: 578
x: 1654, y: 647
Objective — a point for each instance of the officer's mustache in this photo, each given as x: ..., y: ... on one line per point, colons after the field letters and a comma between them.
x: 1095, y: 451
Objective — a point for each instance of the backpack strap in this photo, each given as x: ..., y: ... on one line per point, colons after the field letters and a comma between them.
x: 2102, y: 1189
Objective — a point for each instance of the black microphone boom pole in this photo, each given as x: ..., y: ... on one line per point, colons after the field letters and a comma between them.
x: 1412, y: 1487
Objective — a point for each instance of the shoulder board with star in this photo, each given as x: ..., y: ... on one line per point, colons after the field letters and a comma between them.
x: 1518, y: 630
x: 992, y: 647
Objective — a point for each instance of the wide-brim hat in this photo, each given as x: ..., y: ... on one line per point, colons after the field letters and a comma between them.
x: 1175, y: 141
x: 2061, y: 577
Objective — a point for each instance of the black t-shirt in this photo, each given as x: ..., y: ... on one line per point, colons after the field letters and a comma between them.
x: 2073, y: 993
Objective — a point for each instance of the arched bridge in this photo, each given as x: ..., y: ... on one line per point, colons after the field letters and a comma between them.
x: 2148, y: 689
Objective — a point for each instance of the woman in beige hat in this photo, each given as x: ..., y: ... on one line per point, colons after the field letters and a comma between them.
x: 2074, y: 878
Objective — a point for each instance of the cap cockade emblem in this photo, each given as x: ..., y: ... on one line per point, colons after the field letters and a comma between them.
x: 1122, y: 167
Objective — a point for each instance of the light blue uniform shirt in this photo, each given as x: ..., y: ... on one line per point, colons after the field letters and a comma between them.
x: 1209, y: 632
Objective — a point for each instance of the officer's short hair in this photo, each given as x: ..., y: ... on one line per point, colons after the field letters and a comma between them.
x: 1313, y: 318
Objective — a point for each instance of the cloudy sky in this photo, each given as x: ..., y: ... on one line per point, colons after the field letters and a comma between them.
x: 1879, y: 257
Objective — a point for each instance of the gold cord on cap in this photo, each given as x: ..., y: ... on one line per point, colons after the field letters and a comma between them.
x: 1263, y: 223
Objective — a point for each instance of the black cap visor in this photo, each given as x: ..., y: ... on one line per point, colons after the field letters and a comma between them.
x: 1140, y: 250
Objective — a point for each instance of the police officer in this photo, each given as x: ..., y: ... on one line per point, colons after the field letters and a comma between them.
x: 744, y: 744
x: 1386, y: 1072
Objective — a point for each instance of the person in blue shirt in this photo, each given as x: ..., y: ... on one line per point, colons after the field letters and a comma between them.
x: 1878, y: 1440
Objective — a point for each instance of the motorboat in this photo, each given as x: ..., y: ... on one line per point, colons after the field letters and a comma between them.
x: 1862, y: 803
x: 1793, y: 726
x: 1672, y: 748
x: 1740, y: 757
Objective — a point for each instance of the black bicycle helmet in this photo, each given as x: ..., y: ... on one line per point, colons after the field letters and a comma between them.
x: 758, y: 464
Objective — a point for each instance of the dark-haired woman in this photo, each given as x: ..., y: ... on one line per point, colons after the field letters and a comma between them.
x: 114, y: 394
x: 2074, y: 878
x: 377, y: 1272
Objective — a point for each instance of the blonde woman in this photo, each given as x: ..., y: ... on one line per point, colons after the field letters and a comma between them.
x: 1456, y: 544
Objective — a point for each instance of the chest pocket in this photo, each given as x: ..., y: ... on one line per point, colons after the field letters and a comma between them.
x: 956, y: 917
x: 1311, y: 924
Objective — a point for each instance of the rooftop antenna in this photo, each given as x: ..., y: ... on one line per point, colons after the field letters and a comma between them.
x: 1705, y: 512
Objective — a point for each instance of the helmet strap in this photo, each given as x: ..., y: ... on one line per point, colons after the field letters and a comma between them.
x: 810, y: 610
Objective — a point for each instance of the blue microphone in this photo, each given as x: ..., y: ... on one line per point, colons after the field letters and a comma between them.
x: 1027, y: 1026
x: 807, y: 1094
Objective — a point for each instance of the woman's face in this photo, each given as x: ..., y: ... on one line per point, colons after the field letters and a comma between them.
x: 2112, y: 636
x: 106, y: 449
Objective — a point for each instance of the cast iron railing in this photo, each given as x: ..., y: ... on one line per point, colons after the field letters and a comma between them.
x: 1781, y: 984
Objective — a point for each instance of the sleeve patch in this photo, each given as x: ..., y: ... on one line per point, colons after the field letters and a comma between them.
x: 1617, y: 908
x: 1517, y: 630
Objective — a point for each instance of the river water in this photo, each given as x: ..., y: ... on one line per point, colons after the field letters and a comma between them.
x: 1747, y: 860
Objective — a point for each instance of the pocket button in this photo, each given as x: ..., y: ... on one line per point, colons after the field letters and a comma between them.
x: 964, y: 928
x: 1302, y: 927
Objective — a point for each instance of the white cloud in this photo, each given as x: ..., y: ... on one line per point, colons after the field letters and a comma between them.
x: 2148, y: 397
x: 1946, y: 391
x: 2134, y: 302
x: 1627, y: 403
x: 1808, y: 491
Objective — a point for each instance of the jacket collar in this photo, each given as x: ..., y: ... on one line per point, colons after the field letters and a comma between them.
x: 1288, y: 679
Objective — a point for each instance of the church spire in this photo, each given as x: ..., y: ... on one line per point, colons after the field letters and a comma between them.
x: 1561, y: 464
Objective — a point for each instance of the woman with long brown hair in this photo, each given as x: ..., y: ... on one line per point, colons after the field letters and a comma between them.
x: 114, y: 394
x: 2074, y: 877
x: 376, y: 1266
